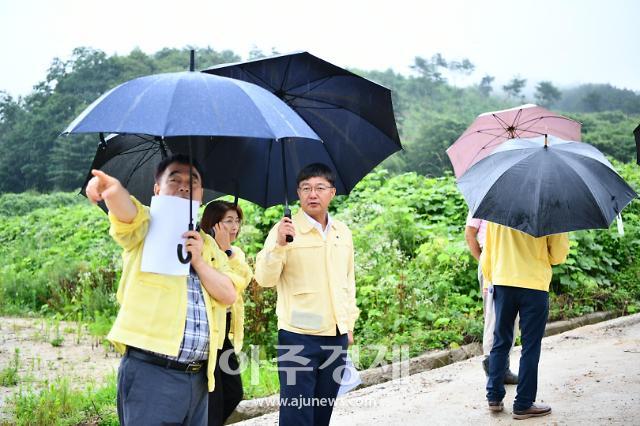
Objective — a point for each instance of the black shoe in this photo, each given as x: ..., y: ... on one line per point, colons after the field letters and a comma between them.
x: 536, y: 410
x: 496, y: 406
x: 510, y: 378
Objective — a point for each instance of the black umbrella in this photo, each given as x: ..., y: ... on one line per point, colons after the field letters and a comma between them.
x: 352, y: 115
x: 133, y: 159
x: 545, y: 186
x: 636, y: 133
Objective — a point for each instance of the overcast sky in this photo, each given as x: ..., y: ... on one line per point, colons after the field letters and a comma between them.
x: 565, y: 41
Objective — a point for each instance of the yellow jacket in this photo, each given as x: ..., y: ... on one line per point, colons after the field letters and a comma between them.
x: 241, y: 276
x: 513, y: 258
x: 153, y: 307
x: 314, y: 278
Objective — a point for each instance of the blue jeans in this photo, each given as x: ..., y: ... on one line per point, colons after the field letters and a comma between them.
x: 533, y: 307
x: 310, y: 369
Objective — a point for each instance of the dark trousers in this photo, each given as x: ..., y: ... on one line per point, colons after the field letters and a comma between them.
x: 150, y: 394
x: 310, y: 369
x: 228, y: 391
x: 533, y: 307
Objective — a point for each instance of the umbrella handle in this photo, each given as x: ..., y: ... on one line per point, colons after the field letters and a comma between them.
x: 287, y: 213
x: 182, y: 259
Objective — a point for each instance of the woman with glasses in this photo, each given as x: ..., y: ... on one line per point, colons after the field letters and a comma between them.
x: 222, y: 220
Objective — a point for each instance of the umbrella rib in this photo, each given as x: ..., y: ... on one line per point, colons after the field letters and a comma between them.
x: 285, y: 77
x: 338, y: 107
x: 535, y: 120
x: 540, y: 117
x: 137, y: 151
x: 256, y: 77
x: 317, y: 83
x: 326, y: 148
x: 293, y: 97
x: 483, y: 147
x: 501, y: 122
x: 143, y: 160
x: 516, y: 120
x: 490, y: 134
x: 587, y: 186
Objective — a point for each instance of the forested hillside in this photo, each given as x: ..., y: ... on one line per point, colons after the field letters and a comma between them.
x: 430, y: 111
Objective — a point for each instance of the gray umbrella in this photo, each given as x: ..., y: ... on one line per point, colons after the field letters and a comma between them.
x: 545, y: 186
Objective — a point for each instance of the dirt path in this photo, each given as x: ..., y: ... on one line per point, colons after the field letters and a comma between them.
x: 590, y: 375
x: 77, y: 356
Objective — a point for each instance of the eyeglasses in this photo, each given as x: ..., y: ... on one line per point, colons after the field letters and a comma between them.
x: 320, y: 189
x: 230, y: 222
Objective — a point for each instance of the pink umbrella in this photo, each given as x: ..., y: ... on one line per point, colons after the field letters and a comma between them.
x: 490, y: 129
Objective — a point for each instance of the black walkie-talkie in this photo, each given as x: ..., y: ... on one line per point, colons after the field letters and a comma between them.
x: 287, y: 213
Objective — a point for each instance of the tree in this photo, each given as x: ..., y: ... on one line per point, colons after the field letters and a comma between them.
x: 514, y: 87
x: 427, y: 154
x: 547, y: 94
x: 592, y: 101
x: 464, y: 67
x: 485, y: 85
x: 430, y: 69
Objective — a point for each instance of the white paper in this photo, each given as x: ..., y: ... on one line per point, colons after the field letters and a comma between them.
x: 169, y: 220
x: 350, y: 378
x: 620, y: 226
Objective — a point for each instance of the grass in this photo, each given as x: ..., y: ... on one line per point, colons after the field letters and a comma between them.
x: 259, y: 379
x: 9, y: 375
x: 59, y: 404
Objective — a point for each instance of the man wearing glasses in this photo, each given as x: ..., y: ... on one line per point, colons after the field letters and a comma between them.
x: 316, y: 308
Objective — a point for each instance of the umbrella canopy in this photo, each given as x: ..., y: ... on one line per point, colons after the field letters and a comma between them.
x: 191, y: 104
x: 133, y: 159
x: 491, y: 129
x: 636, y: 133
x: 545, y: 189
x: 352, y: 115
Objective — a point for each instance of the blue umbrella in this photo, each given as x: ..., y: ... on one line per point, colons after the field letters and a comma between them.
x: 185, y: 105
x: 191, y: 104
x: 352, y: 115
x: 545, y: 186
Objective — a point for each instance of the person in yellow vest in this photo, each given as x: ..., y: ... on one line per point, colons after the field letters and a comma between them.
x: 166, y: 326
x: 316, y: 307
x: 223, y: 220
x: 519, y: 267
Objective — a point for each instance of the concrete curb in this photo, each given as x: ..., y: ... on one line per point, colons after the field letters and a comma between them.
x: 434, y: 359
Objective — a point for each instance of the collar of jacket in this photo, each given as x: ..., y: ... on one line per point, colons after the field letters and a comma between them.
x: 303, y: 224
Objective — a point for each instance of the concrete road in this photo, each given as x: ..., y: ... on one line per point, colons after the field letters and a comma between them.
x: 590, y: 375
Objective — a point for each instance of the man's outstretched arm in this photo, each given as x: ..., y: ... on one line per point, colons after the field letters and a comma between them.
x: 103, y: 187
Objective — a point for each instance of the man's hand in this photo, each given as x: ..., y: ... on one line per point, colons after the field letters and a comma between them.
x: 350, y: 337
x: 194, y: 245
x: 285, y: 228
x: 102, y: 186
x: 222, y: 237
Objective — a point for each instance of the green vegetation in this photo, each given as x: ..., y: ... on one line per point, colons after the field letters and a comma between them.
x: 9, y: 375
x: 416, y: 280
x: 60, y: 404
